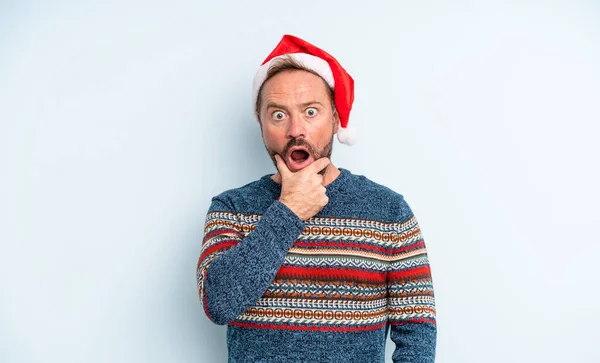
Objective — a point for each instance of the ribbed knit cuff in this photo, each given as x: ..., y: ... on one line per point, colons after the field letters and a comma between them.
x: 282, y: 222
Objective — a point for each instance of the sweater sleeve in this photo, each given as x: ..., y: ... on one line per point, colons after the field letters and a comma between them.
x: 410, y: 295
x: 235, y: 267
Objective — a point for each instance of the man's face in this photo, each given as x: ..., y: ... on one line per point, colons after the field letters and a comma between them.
x: 296, y: 118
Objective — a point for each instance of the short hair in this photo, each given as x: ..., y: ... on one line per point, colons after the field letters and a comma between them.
x: 287, y: 63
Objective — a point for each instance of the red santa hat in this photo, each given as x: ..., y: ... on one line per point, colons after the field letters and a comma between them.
x: 323, y: 64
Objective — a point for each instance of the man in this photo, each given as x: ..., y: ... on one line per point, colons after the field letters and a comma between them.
x: 314, y: 263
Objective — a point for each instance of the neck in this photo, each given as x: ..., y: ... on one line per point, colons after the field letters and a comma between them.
x: 331, y: 173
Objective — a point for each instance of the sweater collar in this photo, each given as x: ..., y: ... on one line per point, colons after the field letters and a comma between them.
x: 337, y: 184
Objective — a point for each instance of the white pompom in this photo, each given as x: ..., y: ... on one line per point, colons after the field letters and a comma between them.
x: 346, y: 135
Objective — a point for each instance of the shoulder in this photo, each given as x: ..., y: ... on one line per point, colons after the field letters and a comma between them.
x: 380, y: 197
x: 244, y: 198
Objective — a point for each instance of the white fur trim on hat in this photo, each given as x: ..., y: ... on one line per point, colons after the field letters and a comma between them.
x: 315, y: 64
x: 346, y: 135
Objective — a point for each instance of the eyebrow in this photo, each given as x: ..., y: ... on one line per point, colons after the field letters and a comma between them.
x: 305, y: 104
x: 275, y: 105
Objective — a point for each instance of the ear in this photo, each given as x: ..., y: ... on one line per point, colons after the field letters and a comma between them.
x: 336, y: 122
x: 257, y: 117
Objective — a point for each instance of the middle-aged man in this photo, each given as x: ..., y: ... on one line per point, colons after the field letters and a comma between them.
x: 314, y: 263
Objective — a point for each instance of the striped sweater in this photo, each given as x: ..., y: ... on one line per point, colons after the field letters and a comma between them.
x: 324, y: 290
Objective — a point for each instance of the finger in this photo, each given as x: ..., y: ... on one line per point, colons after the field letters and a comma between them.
x: 315, y: 179
x: 320, y: 178
x: 281, y: 166
x: 319, y: 165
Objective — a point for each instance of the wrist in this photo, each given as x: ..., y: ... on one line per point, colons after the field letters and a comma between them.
x: 290, y: 205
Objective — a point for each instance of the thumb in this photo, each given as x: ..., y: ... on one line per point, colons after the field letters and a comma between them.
x: 283, y: 169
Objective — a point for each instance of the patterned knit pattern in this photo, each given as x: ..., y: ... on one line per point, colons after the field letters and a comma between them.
x: 357, y: 268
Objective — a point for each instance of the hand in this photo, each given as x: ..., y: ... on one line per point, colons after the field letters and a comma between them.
x: 303, y: 191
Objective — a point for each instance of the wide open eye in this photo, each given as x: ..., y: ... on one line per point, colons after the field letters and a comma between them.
x: 311, y: 112
x: 278, y: 115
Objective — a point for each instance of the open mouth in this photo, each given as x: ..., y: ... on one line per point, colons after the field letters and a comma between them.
x: 298, y: 158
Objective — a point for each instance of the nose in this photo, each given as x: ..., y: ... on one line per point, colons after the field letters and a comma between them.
x: 296, y: 127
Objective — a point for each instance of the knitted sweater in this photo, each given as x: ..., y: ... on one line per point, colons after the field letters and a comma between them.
x: 324, y: 290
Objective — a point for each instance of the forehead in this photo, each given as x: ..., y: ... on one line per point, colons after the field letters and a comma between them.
x: 295, y: 85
